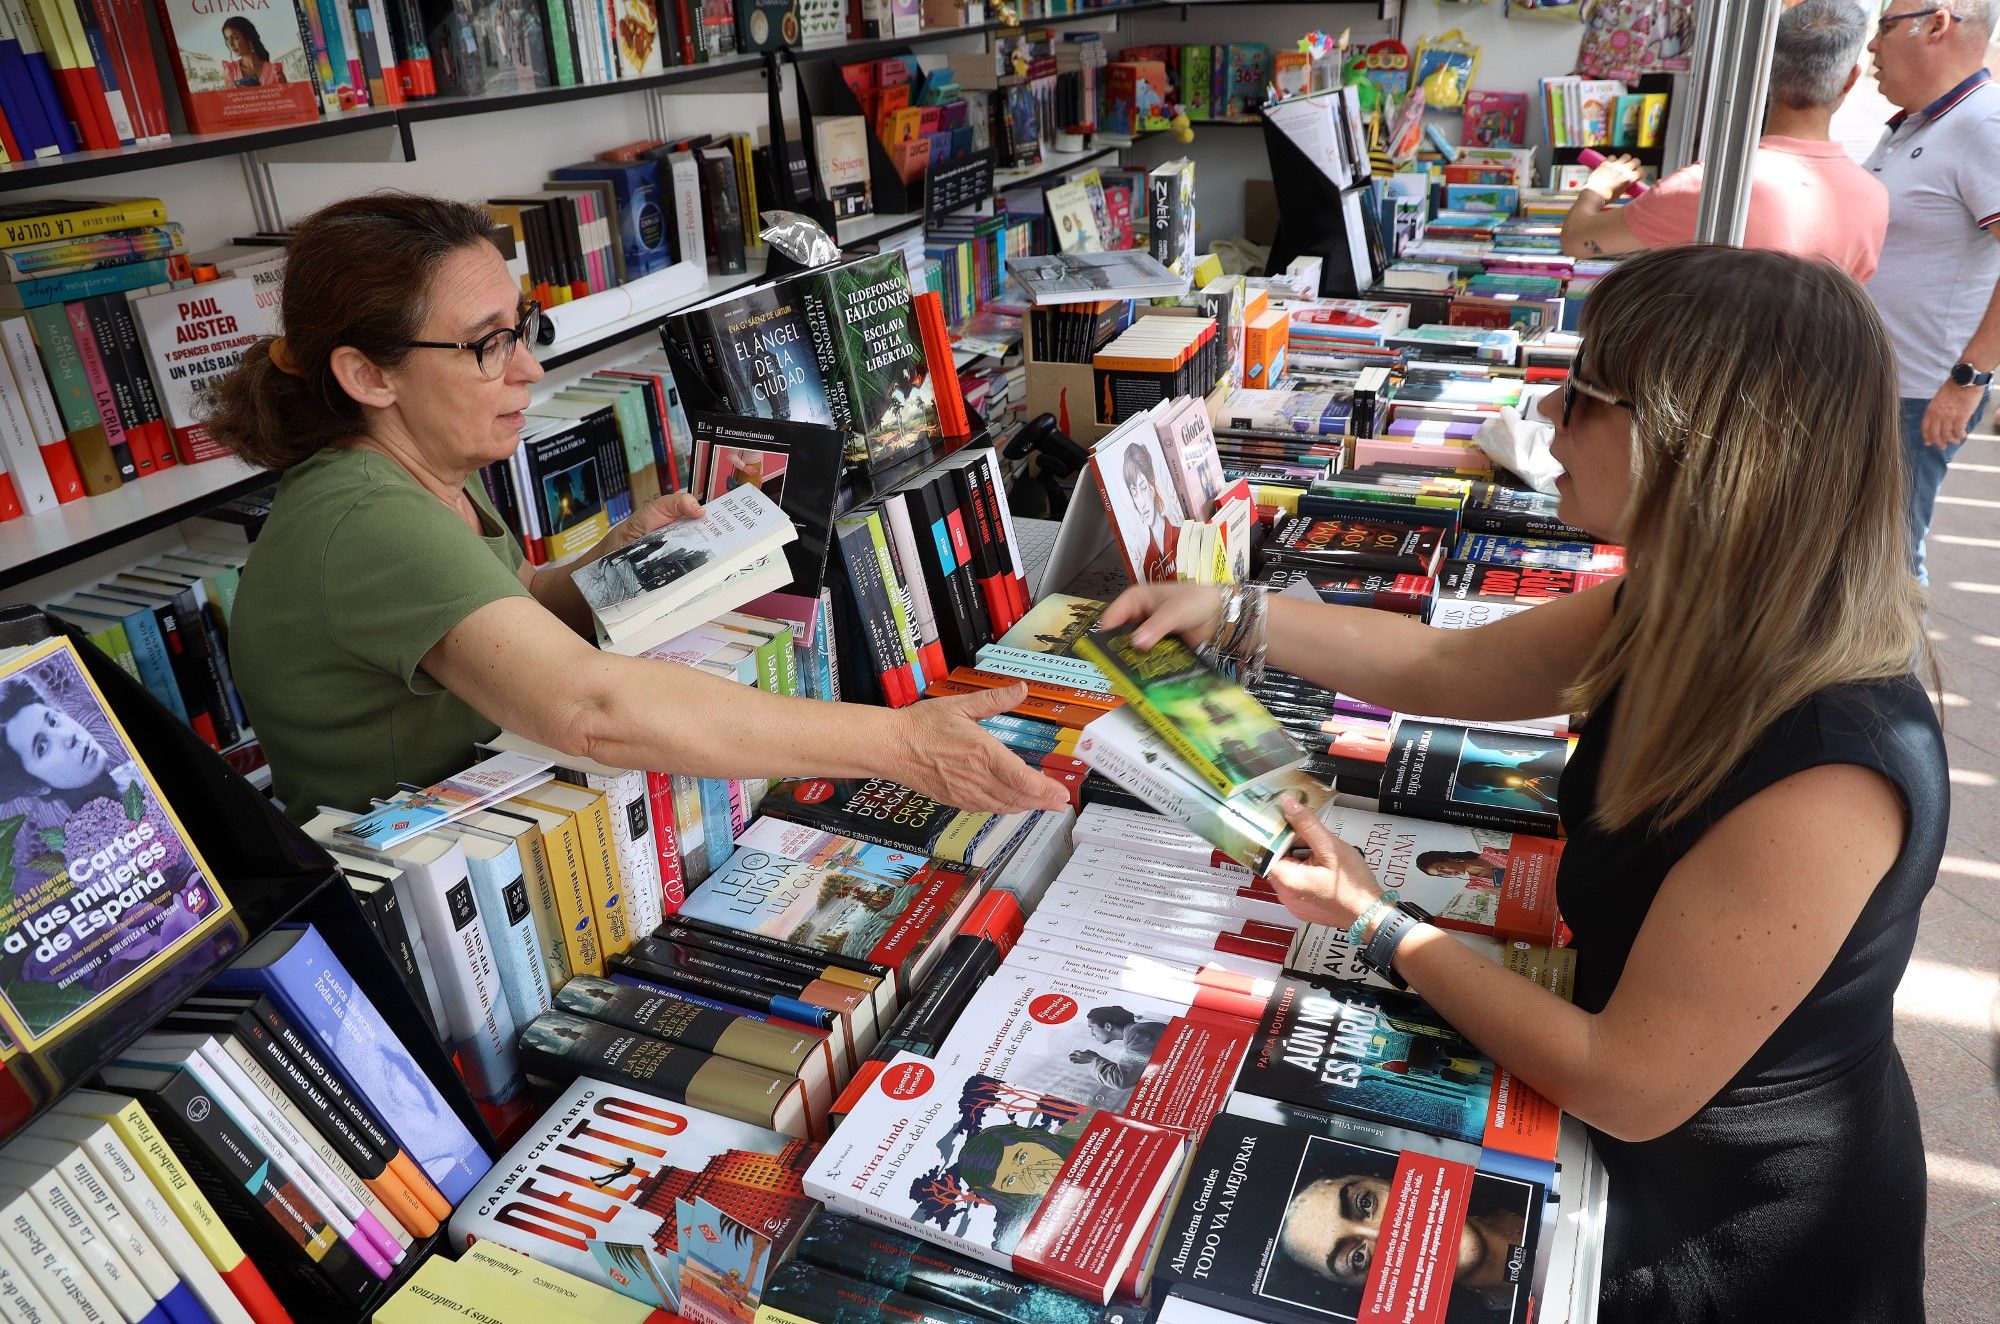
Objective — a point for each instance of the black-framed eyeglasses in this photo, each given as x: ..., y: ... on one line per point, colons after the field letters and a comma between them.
x: 1573, y: 386
x: 494, y: 350
x: 1882, y: 23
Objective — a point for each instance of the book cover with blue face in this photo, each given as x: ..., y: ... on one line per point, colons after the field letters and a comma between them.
x: 100, y: 886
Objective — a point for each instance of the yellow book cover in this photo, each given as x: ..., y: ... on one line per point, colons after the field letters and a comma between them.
x: 443, y: 1289
x: 562, y: 844
x: 600, y: 859
x: 538, y: 1283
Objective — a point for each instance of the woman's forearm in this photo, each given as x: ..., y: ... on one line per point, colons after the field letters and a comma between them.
x: 641, y: 713
x: 1380, y: 657
x: 1544, y: 1041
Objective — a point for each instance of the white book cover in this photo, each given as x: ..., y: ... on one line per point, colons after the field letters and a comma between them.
x: 193, y: 337
x: 29, y: 1236
x: 72, y: 1163
x: 477, y: 1019
x: 539, y: 876
x: 1142, y: 911
x: 1198, y: 894
x: 685, y: 172
x: 98, y: 1258
x: 21, y: 1299
x: 630, y: 804
x: 33, y: 381
x: 734, y: 589
x: 1139, y: 974
x: 130, y: 1184
x: 501, y: 888
x: 676, y: 563
x: 17, y: 441
x: 1117, y: 1049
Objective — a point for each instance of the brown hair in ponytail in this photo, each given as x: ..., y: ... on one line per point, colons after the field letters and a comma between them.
x: 357, y: 272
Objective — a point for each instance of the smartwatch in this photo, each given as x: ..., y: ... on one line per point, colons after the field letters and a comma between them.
x: 1964, y: 374
x: 1380, y: 954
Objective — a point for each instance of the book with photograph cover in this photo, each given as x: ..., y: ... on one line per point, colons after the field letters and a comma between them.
x: 872, y: 347
x: 796, y: 465
x: 753, y: 353
x: 1348, y: 1048
x: 643, y: 1163
x: 820, y: 889
x: 678, y: 562
x: 1210, y: 720
x: 102, y: 886
x: 892, y: 815
x: 1483, y: 776
x: 1002, y: 1173
x: 1282, y: 1222
x: 1089, y: 277
x: 244, y: 67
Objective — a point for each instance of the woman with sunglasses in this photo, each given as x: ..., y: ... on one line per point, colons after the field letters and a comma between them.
x: 1755, y: 809
x: 387, y: 620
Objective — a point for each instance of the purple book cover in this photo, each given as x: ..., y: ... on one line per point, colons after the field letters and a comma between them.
x: 317, y: 994
x: 100, y: 887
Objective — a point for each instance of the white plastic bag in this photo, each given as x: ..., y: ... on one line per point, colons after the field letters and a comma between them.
x: 1520, y: 442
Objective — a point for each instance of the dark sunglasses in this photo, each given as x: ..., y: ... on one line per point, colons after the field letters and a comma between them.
x: 492, y: 351
x: 1573, y: 387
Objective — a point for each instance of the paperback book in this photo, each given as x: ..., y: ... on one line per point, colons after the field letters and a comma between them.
x: 1052, y: 1189
x: 892, y: 815
x: 1282, y: 1222
x: 643, y: 1163
x: 1474, y: 879
x: 103, y: 888
x: 818, y: 889
x: 1482, y: 776
x: 1211, y: 721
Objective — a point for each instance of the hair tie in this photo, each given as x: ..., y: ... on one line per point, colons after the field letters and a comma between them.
x: 281, y: 357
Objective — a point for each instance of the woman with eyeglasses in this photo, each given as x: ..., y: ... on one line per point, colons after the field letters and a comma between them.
x: 1755, y: 809
x: 387, y: 620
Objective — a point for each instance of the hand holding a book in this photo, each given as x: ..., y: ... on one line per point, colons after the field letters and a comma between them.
x: 655, y: 514
x: 1334, y: 885
x: 947, y: 755
x: 1154, y: 611
x: 1613, y: 176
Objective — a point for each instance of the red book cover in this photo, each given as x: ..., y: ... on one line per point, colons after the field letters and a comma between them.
x: 223, y: 80
x: 13, y: 144
x: 10, y: 500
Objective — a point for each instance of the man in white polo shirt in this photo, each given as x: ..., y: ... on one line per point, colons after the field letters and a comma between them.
x: 1938, y: 281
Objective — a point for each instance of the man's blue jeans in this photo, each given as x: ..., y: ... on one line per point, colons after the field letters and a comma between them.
x: 1926, y: 467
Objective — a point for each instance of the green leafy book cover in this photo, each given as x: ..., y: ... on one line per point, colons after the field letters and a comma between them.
x: 1211, y: 721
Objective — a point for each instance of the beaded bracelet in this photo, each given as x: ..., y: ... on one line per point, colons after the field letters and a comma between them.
x: 1362, y: 921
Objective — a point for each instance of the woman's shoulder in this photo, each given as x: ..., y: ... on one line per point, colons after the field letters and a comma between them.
x: 350, y: 486
x: 1887, y: 724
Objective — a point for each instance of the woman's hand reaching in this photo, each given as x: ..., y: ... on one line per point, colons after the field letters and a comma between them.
x: 1192, y: 611
x: 1334, y: 886
x: 946, y: 754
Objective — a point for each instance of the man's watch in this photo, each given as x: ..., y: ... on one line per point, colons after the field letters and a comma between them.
x: 1964, y: 374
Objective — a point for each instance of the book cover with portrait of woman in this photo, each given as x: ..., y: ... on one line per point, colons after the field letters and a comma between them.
x: 100, y: 886
x: 240, y: 68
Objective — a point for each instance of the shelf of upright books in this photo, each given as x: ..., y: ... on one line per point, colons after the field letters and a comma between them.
x: 70, y: 532
x: 213, y: 118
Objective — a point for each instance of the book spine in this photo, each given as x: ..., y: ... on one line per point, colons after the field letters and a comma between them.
x: 482, y: 1026
x: 17, y: 439
x: 29, y: 1239
x: 70, y: 385
x: 504, y: 913
x: 60, y: 1210
x: 537, y: 870
x: 628, y: 811
x: 1128, y: 688
x: 118, y: 373
x: 333, y: 1083
x: 368, y: 1161
x: 133, y: 349
x: 666, y: 842
x: 560, y: 1046
x: 191, y: 1208
x: 104, y: 396
x: 898, y: 594
x: 289, y: 1234
x: 1074, y: 674
x: 582, y: 940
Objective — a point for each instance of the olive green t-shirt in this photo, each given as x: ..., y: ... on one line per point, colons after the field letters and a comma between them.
x: 355, y: 575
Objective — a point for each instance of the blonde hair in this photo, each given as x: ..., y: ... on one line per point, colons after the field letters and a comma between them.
x: 1765, y: 526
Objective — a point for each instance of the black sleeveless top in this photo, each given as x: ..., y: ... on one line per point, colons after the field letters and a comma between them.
x: 1798, y: 1191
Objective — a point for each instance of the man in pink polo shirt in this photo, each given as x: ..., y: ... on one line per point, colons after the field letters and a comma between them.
x: 1806, y: 195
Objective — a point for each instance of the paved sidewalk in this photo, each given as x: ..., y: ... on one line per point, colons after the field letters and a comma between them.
x: 1948, y: 1009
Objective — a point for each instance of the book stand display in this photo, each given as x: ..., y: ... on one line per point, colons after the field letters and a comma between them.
x: 272, y: 873
x: 891, y: 195
x: 1314, y: 219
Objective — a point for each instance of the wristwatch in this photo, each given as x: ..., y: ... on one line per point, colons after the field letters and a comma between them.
x: 1380, y: 954
x: 1964, y: 374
